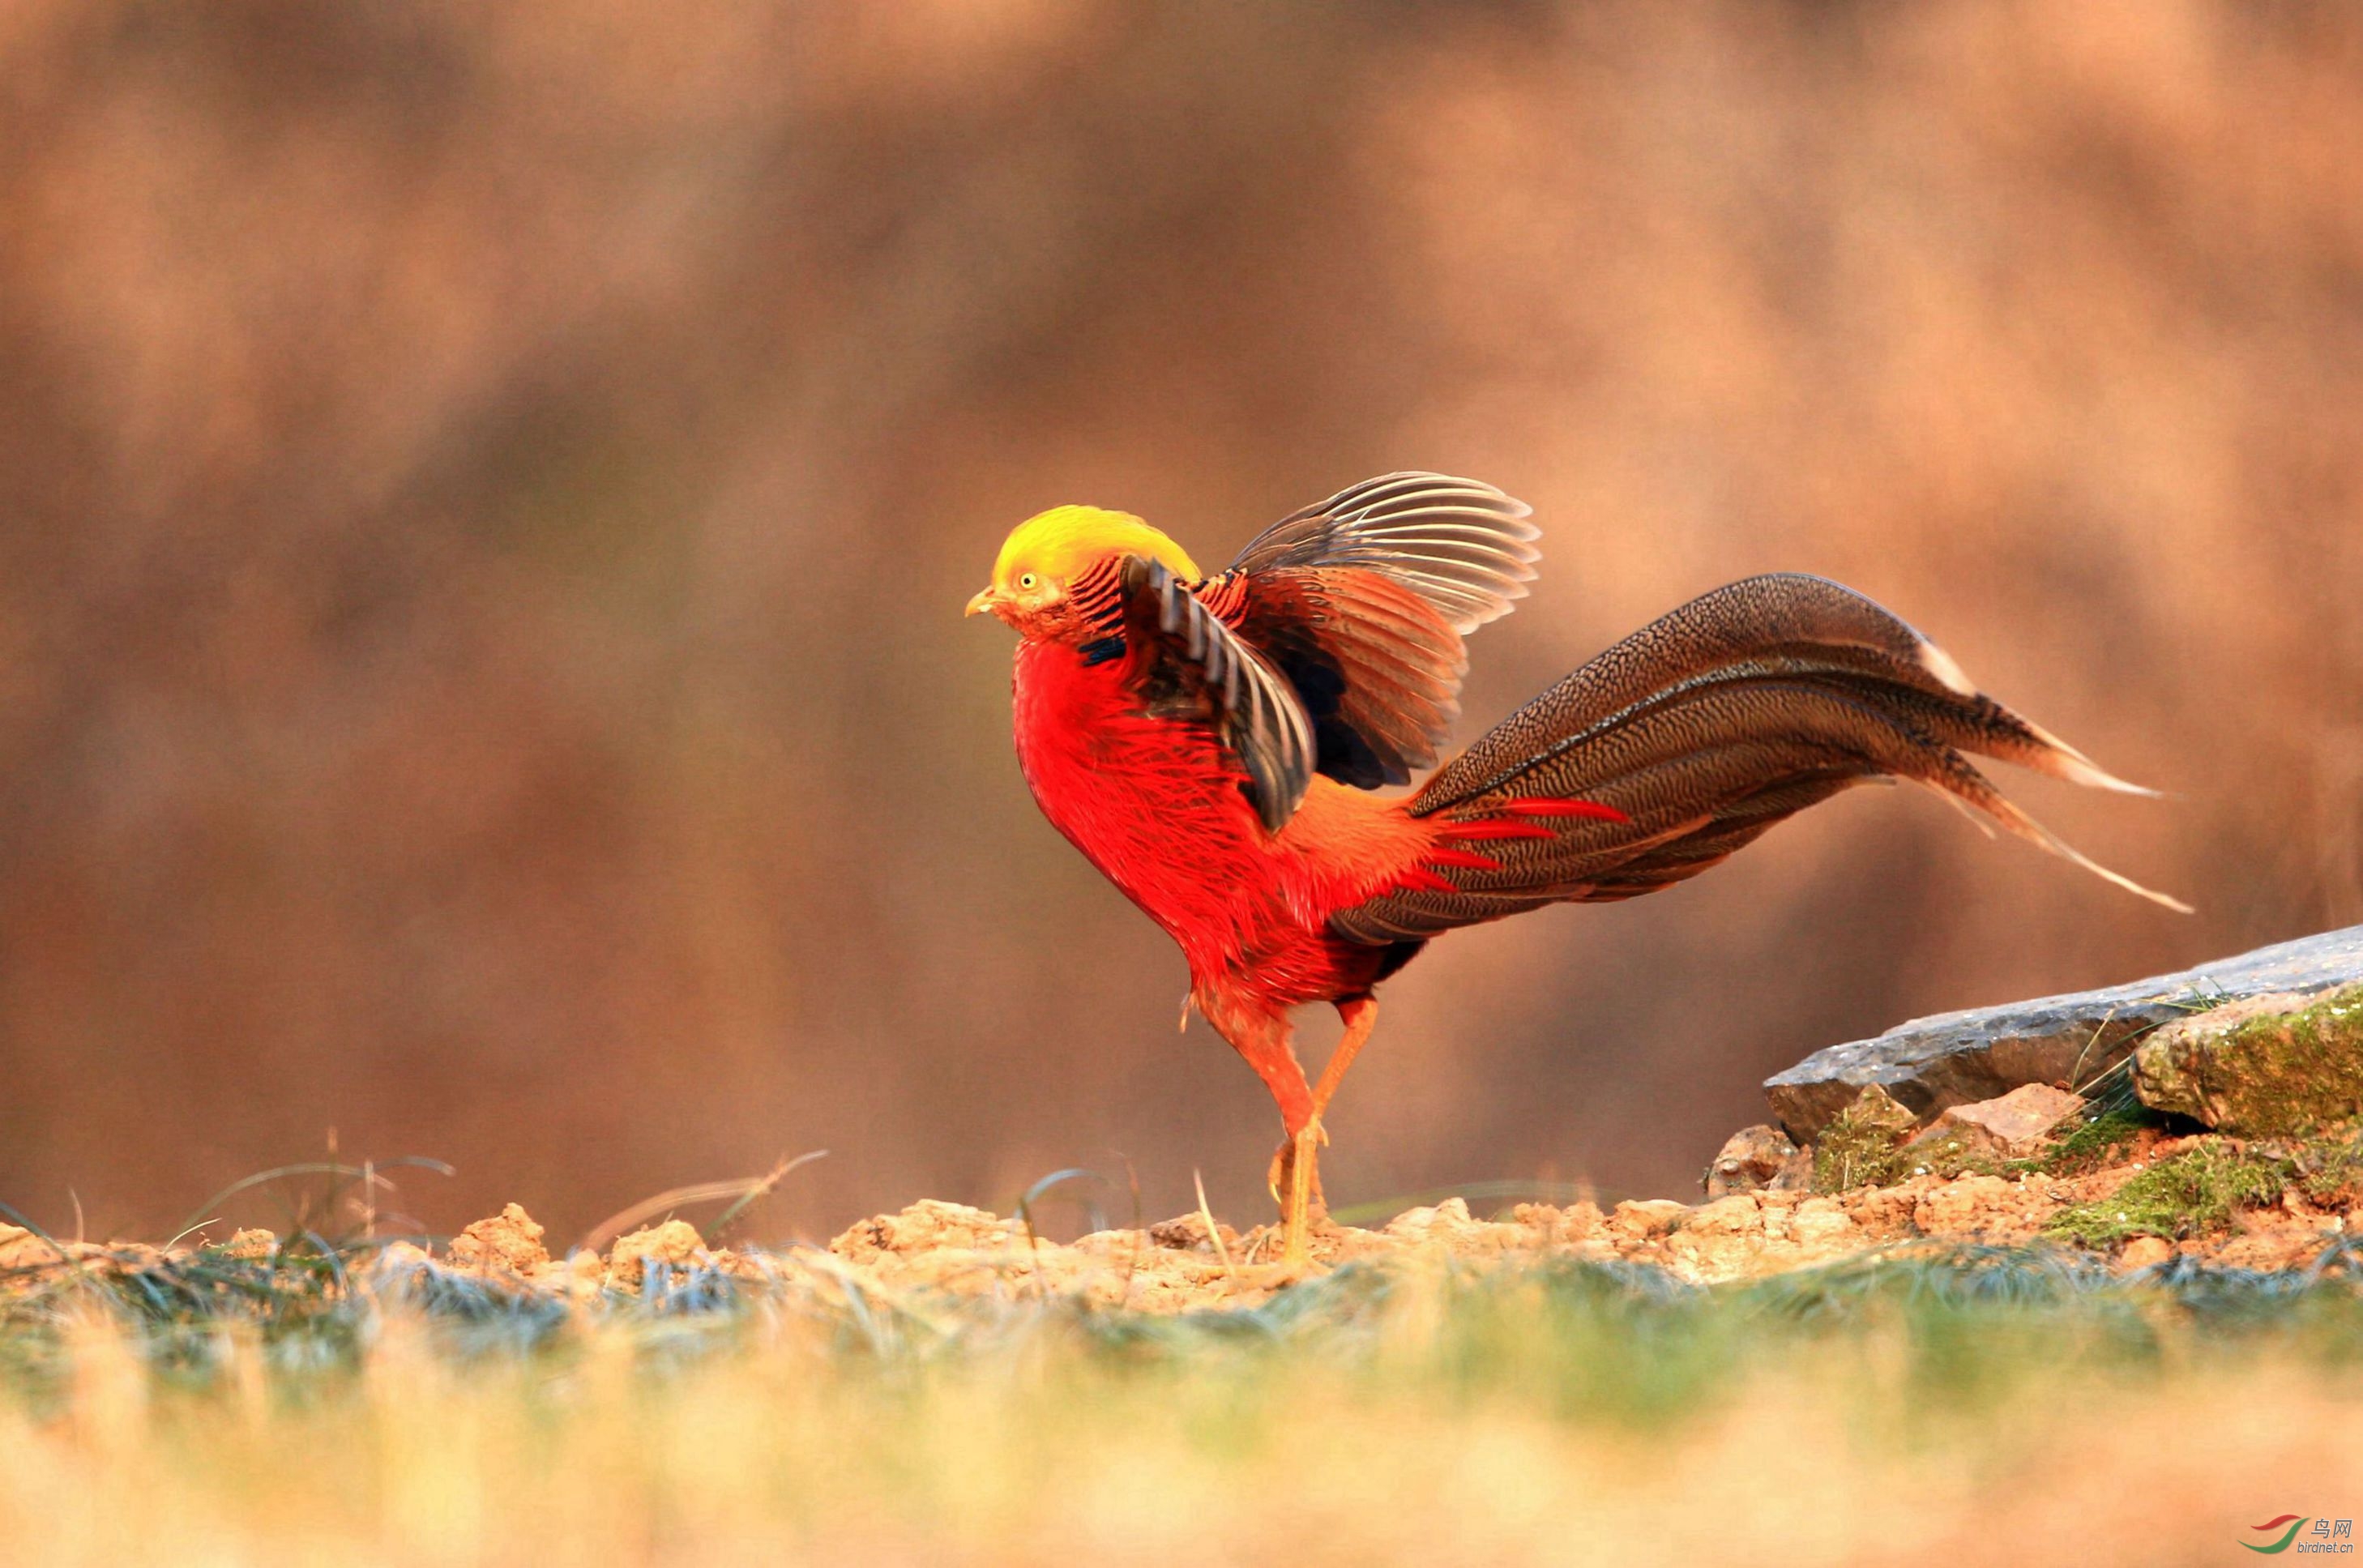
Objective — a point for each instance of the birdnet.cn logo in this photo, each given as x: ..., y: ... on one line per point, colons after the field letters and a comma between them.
x: 2289, y: 1533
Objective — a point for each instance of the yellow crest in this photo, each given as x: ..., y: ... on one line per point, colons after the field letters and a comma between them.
x: 1054, y: 545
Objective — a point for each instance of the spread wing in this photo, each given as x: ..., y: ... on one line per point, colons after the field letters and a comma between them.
x: 1204, y: 671
x: 1332, y: 644
x: 1360, y: 603
x: 1461, y: 545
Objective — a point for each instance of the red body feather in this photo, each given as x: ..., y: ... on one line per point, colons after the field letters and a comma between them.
x: 1156, y: 805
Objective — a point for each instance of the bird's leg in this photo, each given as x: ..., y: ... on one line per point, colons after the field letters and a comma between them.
x: 1297, y: 1157
x: 1304, y: 1192
x: 1360, y: 1015
x: 1264, y: 1039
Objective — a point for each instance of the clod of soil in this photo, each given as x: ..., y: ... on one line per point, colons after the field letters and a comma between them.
x: 508, y: 1244
x: 20, y: 1249
x: 1756, y: 1157
x: 675, y: 1244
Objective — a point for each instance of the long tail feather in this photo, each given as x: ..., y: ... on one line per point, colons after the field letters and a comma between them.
x: 1699, y: 732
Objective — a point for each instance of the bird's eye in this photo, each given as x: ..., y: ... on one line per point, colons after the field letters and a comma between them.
x: 1028, y: 581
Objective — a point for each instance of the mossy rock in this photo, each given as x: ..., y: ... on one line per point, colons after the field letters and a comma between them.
x: 1863, y: 1145
x: 2262, y: 1067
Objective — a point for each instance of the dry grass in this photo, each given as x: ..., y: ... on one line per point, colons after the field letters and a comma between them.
x: 1988, y: 1406
x: 488, y: 494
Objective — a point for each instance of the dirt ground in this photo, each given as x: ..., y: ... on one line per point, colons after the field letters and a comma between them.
x: 1173, y: 1267
x: 1176, y: 1266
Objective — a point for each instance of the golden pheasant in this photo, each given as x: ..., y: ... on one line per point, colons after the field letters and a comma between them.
x: 1207, y: 741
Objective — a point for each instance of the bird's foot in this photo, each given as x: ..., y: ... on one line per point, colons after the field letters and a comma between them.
x: 1278, y: 1178
x: 1296, y: 1187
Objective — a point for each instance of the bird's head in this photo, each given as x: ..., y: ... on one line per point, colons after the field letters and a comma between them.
x: 1046, y: 552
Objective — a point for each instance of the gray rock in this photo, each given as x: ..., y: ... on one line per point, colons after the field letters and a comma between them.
x: 1953, y: 1059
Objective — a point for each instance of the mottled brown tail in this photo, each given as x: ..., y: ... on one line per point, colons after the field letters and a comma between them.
x: 1699, y: 731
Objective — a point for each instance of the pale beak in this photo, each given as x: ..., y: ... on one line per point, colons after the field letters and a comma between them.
x: 983, y: 602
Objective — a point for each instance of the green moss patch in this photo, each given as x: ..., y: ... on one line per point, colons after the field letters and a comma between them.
x: 2194, y: 1192
x: 2104, y: 1140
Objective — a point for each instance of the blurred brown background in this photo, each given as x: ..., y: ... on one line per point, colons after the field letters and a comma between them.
x: 486, y: 495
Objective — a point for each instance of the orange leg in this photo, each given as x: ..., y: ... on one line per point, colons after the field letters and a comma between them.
x: 1297, y: 1157
x: 1361, y: 1015
x: 1265, y: 1041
